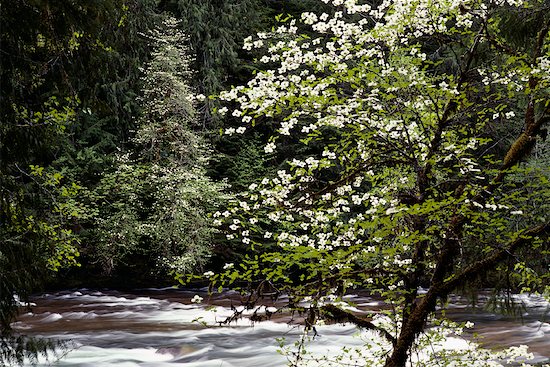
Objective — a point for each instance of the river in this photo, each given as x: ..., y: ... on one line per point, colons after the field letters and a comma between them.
x: 161, y: 327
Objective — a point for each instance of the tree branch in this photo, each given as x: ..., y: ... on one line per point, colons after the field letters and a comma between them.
x: 337, y: 314
x: 482, y: 266
x: 450, y: 108
x: 525, y: 142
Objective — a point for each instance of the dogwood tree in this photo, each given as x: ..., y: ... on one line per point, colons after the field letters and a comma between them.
x: 405, y: 184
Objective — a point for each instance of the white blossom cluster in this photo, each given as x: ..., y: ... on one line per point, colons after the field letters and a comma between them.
x: 368, y: 91
x: 370, y: 81
x: 441, y: 345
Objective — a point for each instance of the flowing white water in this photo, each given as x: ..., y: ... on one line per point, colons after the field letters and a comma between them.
x: 162, y: 328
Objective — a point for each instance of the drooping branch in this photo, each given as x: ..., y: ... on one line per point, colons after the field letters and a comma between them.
x: 522, y: 146
x: 334, y: 313
x: 482, y: 266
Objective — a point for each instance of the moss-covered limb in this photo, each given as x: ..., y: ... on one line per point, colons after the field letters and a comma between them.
x: 525, y: 142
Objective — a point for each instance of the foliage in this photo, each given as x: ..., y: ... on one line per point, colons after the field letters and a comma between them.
x: 37, y: 212
x: 151, y: 210
x: 60, y: 62
x: 36, y: 238
x: 441, y: 344
x: 409, y: 189
x: 215, y: 29
x: 242, y: 161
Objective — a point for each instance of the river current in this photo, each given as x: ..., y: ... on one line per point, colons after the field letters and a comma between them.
x: 162, y: 327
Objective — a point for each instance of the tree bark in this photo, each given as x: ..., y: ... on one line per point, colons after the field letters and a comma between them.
x: 441, y: 288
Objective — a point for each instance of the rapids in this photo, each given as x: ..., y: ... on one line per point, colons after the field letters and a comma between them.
x: 161, y: 327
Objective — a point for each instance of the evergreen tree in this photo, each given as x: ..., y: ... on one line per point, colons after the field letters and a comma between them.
x: 151, y: 211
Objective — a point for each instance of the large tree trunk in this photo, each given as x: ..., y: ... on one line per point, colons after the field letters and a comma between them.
x: 415, y: 324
